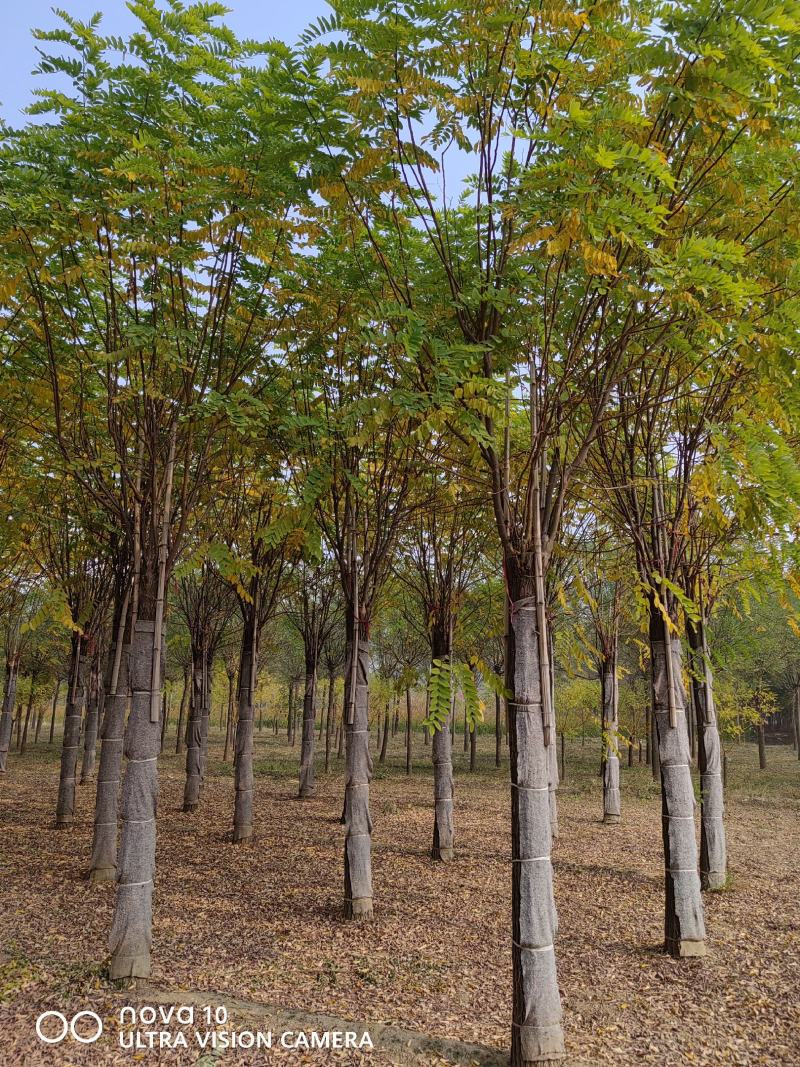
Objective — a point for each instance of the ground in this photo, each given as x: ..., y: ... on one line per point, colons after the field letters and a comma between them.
x: 259, y: 927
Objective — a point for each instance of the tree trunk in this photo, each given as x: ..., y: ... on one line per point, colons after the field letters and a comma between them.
x: 762, y: 748
x: 713, y: 858
x: 307, y: 786
x: 6, y: 718
x: 28, y: 710
x: 443, y: 847
x: 194, y: 736
x: 243, y: 747
x: 563, y: 759
x: 329, y: 720
x: 205, y: 716
x: 358, y: 837
x: 684, y: 928
x: 39, y: 721
x: 611, y: 794
x: 93, y: 713
x: 537, y: 1034
x: 385, y: 739
x: 229, y: 715
x: 131, y: 930
x: 498, y: 732
x: 473, y: 748
x: 109, y: 773
x: 408, y: 730
x: 322, y: 704
x: 179, y: 737
x: 341, y: 737
x: 290, y: 713
x: 53, y: 711
x: 65, y: 805
x: 648, y: 729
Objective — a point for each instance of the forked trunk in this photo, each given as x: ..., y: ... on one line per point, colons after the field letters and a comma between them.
x: 537, y: 1035
x: 611, y: 795
x: 7, y: 715
x: 358, y: 823
x: 684, y: 928
x: 443, y: 847
x: 65, y: 805
x: 307, y: 786
x: 713, y: 858
x: 243, y: 747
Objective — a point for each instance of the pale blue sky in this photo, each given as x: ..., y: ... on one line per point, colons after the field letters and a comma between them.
x: 260, y: 19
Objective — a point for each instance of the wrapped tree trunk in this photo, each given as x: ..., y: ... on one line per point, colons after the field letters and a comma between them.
x: 7, y: 715
x: 93, y: 711
x: 552, y: 750
x: 243, y: 747
x: 109, y: 773
x: 194, y: 733
x: 358, y: 823
x: 307, y: 786
x: 611, y: 794
x: 65, y: 805
x: 443, y: 847
x: 179, y: 737
x: 131, y: 930
x: 684, y: 928
x: 537, y: 1035
x: 713, y: 858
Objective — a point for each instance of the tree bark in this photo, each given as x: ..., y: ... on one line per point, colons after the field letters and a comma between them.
x: 684, y: 928
x: 65, y: 805
x: 289, y: 713
x: 611, y: 793
x: 713, y: 858
x: 7, y: 716
x: 243, y: 748
x: 307, y: 786
x: 537, y: 1034
x: 358, y: 823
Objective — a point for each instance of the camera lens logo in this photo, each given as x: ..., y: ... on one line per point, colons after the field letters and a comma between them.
x: 64, y: 1026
